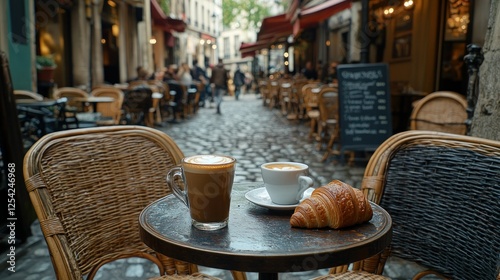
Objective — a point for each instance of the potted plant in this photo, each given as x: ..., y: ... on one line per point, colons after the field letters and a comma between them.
x: 45, y: 66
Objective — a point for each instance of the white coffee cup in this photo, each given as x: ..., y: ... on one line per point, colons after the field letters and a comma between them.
x: 286, y: 182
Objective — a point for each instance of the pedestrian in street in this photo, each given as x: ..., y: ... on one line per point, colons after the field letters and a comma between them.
x: 239, y: 80
x: 219, y: 82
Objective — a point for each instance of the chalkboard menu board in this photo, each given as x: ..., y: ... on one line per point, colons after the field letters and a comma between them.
x: 364, y: 106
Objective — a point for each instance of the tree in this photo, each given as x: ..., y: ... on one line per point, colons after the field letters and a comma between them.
x: 165, y: 6
x: 248, y: 14
x: 486, y: 119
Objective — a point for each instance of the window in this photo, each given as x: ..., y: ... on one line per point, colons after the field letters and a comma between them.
x: 226, y: 48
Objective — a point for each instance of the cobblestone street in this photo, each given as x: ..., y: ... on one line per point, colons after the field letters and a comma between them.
x: 250, y: 132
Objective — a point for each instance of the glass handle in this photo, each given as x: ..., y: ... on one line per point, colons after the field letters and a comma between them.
x: 172, y: 175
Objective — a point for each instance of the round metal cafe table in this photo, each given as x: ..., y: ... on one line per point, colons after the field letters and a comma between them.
x: 258, y: 239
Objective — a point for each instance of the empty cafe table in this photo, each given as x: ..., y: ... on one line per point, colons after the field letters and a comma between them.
x: 94, y: 100
x: 258, y: 239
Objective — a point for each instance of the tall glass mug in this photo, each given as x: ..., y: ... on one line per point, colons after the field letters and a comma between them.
x: 208, y: 181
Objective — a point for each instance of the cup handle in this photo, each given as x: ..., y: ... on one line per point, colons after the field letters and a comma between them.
x: 304, y: 183
x: 172, y: 174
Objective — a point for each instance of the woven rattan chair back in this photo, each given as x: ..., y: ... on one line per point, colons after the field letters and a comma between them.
x: 137, y: 103
x: 71, y: 93
x: 443, y: 194
x: 328, y: 103
x: 88, y: 187
x: 328, y: 120
x: 26, y: 94
x: 113, y: 109
x: 443, y: 111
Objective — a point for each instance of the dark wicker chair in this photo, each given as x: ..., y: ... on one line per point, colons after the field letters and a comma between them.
x: 443, y: 193
x: 137, y: 104
x: 88, y: 187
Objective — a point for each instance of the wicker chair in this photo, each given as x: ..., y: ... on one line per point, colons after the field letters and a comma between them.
x: 111, y: 110
x: 88, y: 187
x: 329, y: 123
x: 26, y: 94
x: 443, y: 193
x: 285, y: 94
x: 443, y: 111
x: 71, y: 93
x: 310, y: 94
x: 138, y: 104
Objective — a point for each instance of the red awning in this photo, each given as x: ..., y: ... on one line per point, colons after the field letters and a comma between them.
x: 249, y: 49
x: 207, y: 37
x: 168, y: 24
x: 275, y: 27
x: 313, y: 15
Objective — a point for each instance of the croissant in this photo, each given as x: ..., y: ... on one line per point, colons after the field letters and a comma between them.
x: 335, y: 205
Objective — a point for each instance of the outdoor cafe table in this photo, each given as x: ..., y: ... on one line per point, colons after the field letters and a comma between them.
x: 94, y: 100
x: 258, y: 239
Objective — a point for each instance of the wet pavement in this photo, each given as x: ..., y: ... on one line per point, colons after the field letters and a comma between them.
x: 250, y: 132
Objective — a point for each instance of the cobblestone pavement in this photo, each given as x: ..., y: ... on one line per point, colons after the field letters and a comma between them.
x: 250, y: 132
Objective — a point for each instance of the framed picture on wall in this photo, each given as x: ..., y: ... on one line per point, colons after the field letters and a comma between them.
x: 403, y: 22
x: 401, y: 47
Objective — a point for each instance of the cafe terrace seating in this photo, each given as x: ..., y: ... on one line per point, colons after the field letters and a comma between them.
x: 137, y: 105
x: 328, y: 120
x: 72, y: 93
x: 112, y: 112
x: 40, y: 116
x: 272, y: 97
x: 26, y: 94
x: 443, y: 111
x: 297, y: 99
x: 310, y: 93
x: 442, y: 192
x: 88, y: 187
x: 284, y: 95
x: 263, y: 90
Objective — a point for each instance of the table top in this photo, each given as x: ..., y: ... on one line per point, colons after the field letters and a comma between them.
x: 258, y: 239
x: 36, y: 103
x: 95, y: 99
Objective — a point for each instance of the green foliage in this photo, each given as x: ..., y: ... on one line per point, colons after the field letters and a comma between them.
x: 165, y: 6
x: 253, y: 10
x: 45, y: 61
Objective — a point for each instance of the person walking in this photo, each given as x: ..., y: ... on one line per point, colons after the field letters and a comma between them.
x: 239, y: 81
x: 219, y: 82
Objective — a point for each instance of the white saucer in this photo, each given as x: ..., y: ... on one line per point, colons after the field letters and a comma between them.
x: 260, y: 197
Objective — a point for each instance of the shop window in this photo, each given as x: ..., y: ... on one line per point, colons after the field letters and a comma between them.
x: 456, y: 37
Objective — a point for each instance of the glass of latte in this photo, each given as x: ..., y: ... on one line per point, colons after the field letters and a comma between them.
x: 208, y: 181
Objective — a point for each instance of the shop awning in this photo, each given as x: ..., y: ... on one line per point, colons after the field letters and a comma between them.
x: 272, y: 30
x: 275, y: 27
x: 314, y: 15
x: 167, y: 23
x: 249, y: 49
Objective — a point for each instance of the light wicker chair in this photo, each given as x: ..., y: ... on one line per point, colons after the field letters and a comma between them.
x: 111, y: 110
x: 443, y: 193
x: 26, y: 94
x: 443, y: 111
x: 310, y: 94
x: 328, y: 102
x: 71, y: 93
x: 88, y: 187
